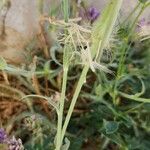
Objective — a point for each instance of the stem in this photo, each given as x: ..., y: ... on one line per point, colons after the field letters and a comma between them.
x: 130, y: 15
x: 136, y: 19
x: 65, y: 4
x: 125, y: 48
x: 74, y: 99
x: 64, y: 85
x: 120, y: 69
x: 62, y: 99
x: 61, y: 108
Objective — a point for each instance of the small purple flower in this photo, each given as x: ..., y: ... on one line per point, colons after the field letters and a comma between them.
x: 93, y: 14
x: 142, y: 22
x: 90, y: 14
x: 3, y: 135
x: 143, y: 27
x: 14, y: 144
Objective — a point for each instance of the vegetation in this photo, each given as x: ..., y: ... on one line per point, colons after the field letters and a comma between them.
x: 88, y: 89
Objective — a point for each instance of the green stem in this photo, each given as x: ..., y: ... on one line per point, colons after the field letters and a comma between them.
x: 65, y: 4
x: 64, y: 84
x: 74, y: 99
x: 61, y: 108
x: 119, y: 71
x: 62, y: 99
x: 136, y: 19
x: 131, y: 14
x: 125, y: 48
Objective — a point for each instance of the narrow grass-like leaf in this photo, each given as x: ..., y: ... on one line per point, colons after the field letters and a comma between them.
x: 103, y: 28
x: 50, y: 101
x: 135, y: 98
x: 65, y: 7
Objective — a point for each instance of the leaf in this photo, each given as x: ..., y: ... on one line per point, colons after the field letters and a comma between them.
x: 142, y: 90
x: 116, y: 138
x: 50, y: 101
x: 103, y: 28
x: 126, y: 120
x: 135, y: 98
x: 47, y: 67
x: 66, y: 145
x: 3, y: 63
x: 111, y: 126
x: 53, y: 50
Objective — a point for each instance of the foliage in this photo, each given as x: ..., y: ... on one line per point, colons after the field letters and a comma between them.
x: 113, y: 107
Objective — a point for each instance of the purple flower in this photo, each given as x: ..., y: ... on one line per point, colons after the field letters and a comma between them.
x: 142, y: 22
x: 143, y: 27
x: 14, y: 144
x: 93, y: 14
x: 90, y: 14
x: 3, y: 135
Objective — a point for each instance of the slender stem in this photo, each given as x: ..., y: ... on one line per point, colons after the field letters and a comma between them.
x: 120, y: 70
x: 74, y: 99
x: 64, y: 84
x: 66, y: 10
x: 125, y: 48
x: 105, y: 143
x: 130, y: 15
x: 62, y: 99
x: 136, y: 19
x: 61, y: 108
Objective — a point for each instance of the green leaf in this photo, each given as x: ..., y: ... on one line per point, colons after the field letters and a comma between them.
x: 111, y: 126
x: 103, y: 28
x: 66, y: 145
x: 116, y: 138
x: 55, y: 48
x: 135, y: 98
x: 49, y: 99
x: 47, y: 67
x: 3, y: 63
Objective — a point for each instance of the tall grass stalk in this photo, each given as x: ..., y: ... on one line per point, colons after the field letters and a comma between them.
x: 104, y: 31
x: 65, y: 6
x: 64, y: 84
x: 62, y: 99
x: 81, y: 81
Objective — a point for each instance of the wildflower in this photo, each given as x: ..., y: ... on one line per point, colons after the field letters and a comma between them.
x: 93, y: 14
x: 90, y: 14
x: 14, y: 144
x: 143, y: 29
x: 11, y: 143
x: 142, y: 22
x: 3, y: 135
